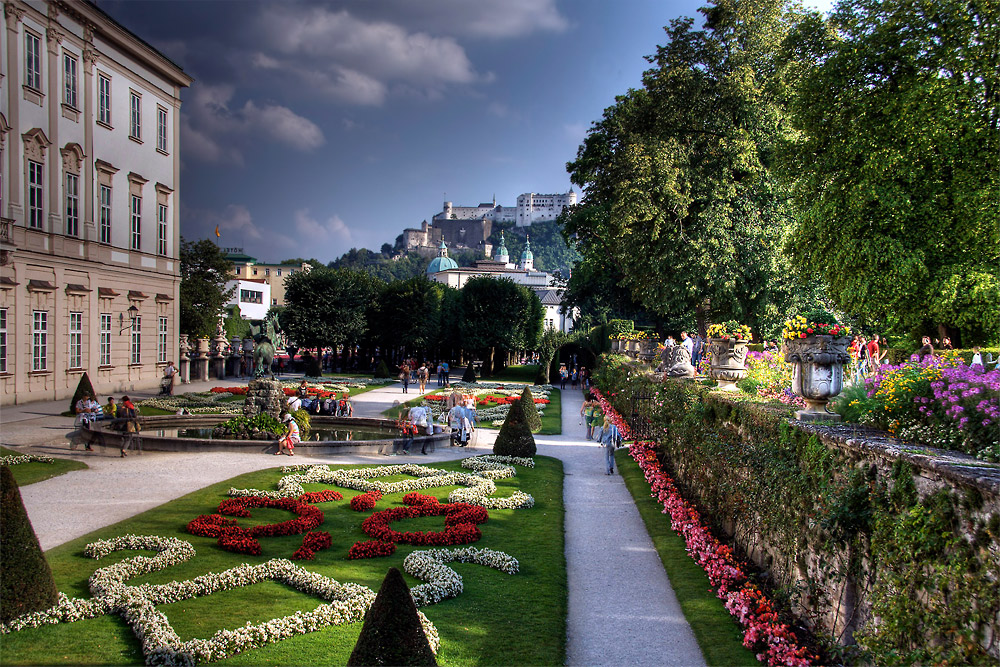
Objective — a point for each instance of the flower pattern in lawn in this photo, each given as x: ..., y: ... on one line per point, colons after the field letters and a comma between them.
x: 17, y: 459
x: 345, y: 602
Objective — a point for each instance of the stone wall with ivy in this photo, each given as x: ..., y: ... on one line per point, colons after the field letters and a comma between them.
x: 889, y: 552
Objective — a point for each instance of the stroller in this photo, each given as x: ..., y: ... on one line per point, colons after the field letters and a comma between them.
x: 166, y: 384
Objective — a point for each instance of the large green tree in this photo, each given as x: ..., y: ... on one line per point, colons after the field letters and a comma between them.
x: 678, y: 176
x: 203, y: 293
x: 894, y: 162
x: 408, y: 313
x: 327, y: 307
x: 498, y: 315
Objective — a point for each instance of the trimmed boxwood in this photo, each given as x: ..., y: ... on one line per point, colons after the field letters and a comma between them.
x: 84, y: 386
x: 530, y: 409
x: 391, y: 634
x: 470, y: 374
x: 26, y: 582
x: 515, y: 438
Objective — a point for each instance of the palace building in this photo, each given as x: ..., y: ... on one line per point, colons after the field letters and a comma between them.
x: 89, y: 203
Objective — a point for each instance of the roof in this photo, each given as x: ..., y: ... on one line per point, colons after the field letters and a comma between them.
x: 549, y: 297
x: 441, y: 264
x: 240, y: 258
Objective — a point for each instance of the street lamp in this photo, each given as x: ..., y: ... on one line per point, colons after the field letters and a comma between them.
x: 133, y: 315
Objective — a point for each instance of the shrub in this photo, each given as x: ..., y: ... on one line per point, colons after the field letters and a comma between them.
x: 382, y: 371
x: 618, y: 328
x: 392, y: 634
x: 530, y: 410
x: 301, y: 418
x: 82, y: 387
x: 515, y: 437
x: 261, y: 426
x: 26, y: 582
x: 470, y: 374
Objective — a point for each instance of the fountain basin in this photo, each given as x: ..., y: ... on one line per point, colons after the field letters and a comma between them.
x: 172, y: 433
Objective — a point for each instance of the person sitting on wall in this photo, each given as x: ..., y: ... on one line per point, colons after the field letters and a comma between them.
x: 291, y: 437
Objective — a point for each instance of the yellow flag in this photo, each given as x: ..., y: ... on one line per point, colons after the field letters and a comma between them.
x: 217, y: 234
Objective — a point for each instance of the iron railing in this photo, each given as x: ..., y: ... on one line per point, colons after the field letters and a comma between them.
x: 641, y: 413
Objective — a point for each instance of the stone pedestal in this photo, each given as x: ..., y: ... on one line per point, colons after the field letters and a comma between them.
x: 265, y: 396
x: 183, y: 361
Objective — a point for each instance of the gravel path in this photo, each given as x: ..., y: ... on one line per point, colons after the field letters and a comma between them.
x: 622, y: 610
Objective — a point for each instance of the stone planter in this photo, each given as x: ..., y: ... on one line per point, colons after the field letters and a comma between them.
x: 202, y: 348
x: 633, y: 347
x: 616, y: 345
x: 728, y: 361
x: 817, y: 373
x: 647, y: 350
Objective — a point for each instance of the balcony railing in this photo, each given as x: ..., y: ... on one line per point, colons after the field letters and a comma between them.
x: 5, y: 229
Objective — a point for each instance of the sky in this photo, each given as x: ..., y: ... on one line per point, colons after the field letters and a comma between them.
x: 314, y: 127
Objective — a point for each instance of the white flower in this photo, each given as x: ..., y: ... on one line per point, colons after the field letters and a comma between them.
x: 442, y: 581
x: 16, y: 459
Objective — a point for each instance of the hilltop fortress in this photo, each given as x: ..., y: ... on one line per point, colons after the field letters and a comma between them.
x: 471, y: 226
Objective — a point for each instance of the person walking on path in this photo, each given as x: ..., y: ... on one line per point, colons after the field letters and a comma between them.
x: 404, y: 376
x: 587, y: 414
x: 610, y: 439
x: 563, y: 376
x: 422, y: 376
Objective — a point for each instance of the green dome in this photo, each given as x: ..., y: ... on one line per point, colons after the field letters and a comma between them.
x: 441, y: 264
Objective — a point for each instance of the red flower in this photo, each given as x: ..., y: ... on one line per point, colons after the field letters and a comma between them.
x: 365, y: 501
x: 371, y: 549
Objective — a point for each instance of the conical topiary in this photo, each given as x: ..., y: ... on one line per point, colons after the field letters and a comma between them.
x: 381, y: 371
x: 530, y: 409
x: 470, y: 374
x: 515, y: 437
x: 83, y: 387
x: 25, y: 578
x: 392, y: 634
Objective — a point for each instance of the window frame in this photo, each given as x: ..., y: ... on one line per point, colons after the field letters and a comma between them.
x: 105, y: 340
x: 161, y: 129
x: 36, y: 195
x: 135, y: 218
x: 135, y: 346
x: 104, y: 99
x: 162, y: 333
x: 104, y: 213
x: 135, y: 116
x: 33, y: 77
x: 3, y: 340
x: 39, y: 341
x: 71, y: 66
x: 161, y: 229
x: 72, y: 204
x: 75, y: 340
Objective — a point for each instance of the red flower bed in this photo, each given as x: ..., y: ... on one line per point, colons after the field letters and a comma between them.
x: 371, y: 549
x: 415, y: 498
x: 244, y: 540
x: 311, y: 543
x: 460, y: 524
x: 321, y: 496
x: 365, y: 501
x: 236, y: 391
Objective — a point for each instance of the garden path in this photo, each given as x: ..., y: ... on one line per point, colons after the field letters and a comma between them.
x: 622, y: 609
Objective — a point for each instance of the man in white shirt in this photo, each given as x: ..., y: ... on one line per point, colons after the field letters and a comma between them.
x: 294, y: 403
x: 687, y: 342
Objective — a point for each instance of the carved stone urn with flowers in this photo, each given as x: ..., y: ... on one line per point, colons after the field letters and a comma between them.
x: 817, y: 351
x: 727, y: 347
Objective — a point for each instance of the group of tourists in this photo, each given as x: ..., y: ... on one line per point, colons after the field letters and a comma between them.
x: 124, y: 416
x: 694, y: 344
x: 602, y: 429
x: 575, y: 377
x: 331, y: 406
x: 411, y: 372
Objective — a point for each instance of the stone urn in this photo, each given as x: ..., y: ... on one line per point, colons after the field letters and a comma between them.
x: 817, y: 372
x: 182, y: 346
x: 728, y: 361
x: 202, y: 347
x: 633, y: 347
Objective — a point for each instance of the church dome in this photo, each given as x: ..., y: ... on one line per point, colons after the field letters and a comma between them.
x: 441, y: 264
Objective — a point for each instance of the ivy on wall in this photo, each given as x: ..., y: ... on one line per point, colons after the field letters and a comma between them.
x: 845, y: 537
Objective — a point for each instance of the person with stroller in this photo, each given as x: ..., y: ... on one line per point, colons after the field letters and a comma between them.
x: 167, y: 381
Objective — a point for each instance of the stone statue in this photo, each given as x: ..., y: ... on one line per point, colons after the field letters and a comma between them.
x: 265, y: 334
x: 677, y: 362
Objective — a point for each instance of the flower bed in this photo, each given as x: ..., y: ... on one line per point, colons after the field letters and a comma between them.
x: 744, y: 600
x: 17, y: 459
x: 365, y: 501
x: 345, y: 603
x: 443, y: 582
x: 479, y: 486
x: 461, y: 524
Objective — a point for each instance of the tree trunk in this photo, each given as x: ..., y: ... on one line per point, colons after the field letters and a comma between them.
x: 701, y: 317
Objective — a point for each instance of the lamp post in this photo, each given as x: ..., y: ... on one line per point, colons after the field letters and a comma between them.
x: 133, y: 315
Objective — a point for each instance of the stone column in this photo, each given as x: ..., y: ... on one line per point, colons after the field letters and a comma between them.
x: 13, y: 15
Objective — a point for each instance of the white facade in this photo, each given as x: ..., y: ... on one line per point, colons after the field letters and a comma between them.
x: 89, y: 175
x: 533, y: 207
x: 252, y: 296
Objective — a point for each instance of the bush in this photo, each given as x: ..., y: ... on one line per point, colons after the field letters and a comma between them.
x: 530, y: 409
x: 392, y: 634
x: 26, y: 582
x: 515, y: 437
x: 618, y: 327
x: 301, y: 418
x: 382, y: 371
x: 470, y: 374
x: 261, y: 426
x: 83, y: 387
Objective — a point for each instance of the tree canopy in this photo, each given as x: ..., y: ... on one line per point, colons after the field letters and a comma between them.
x: 894, y: 162
x: 203, y: 293
x: 327, y: 307
x: 678, y: 176
x: 497, y: 313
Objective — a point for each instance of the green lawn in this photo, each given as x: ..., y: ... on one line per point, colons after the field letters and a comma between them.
x: 35, y: 471
x: 498, y: 619
x: 718, y: 635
